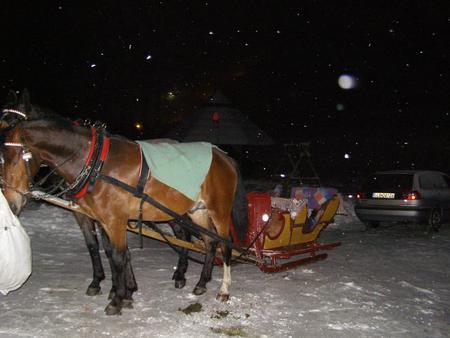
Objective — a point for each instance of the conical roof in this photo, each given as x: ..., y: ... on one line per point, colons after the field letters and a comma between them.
x: 218, y: 123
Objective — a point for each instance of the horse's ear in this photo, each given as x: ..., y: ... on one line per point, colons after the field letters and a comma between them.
x: 25, y: 99
x: 11, y: 98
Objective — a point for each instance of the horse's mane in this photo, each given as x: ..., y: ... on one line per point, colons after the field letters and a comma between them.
x: 38, y: 113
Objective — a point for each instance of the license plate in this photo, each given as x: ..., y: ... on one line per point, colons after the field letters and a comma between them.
x: 383, y: 195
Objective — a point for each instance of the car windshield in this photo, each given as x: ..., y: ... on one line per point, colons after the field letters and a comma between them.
x: 386, y: 182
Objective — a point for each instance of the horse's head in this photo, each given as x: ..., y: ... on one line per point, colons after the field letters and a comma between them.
x: 18, y: 167
x: 17, y: 110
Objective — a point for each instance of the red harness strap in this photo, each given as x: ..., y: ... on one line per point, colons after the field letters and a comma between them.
x: 105, y: 149
x: 93, y: 144
x: 97, y: 163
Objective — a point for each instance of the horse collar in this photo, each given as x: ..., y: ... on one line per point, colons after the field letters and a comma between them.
x: 98, y: 153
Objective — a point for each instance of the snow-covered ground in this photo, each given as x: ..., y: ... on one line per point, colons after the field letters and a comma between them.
x: 391, y: 283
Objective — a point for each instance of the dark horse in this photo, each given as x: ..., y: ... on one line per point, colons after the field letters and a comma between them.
x: 20, y: 109
x: 65, y: 147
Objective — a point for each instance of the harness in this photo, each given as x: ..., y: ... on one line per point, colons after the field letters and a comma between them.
x: 87, y: 177
x: 91, y: 171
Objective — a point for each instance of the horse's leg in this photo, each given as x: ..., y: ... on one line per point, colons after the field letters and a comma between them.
x: 205, y: 276
x: 221, y: 220
x: 130, y: 280
x: 87, y: 226
x: 123, y: 280
x: 224, y: 293
x: 108, y: 251
x: 201, y: 217
x: 178, y: 275
x: 118, y: 259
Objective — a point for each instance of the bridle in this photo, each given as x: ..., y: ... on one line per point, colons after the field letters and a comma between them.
x: 14, y: 111
x: 26, y: 153
x: 84, y: 181
x: 26, y: 156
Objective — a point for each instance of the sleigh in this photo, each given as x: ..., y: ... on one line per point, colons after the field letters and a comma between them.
x: 286, y: 235
x: 280, y: 235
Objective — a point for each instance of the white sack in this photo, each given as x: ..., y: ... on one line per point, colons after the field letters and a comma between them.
x: 15, y: 250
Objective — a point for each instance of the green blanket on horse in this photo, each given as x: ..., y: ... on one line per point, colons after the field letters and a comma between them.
x: 182, y: 166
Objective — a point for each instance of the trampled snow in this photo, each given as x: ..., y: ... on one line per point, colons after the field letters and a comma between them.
x: 394, y: 282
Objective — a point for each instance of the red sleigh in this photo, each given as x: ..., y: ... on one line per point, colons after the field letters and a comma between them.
x: 281, y: 239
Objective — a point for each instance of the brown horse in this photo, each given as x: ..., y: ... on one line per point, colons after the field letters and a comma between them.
x: 17, y: 110
x: 65, y: 147
x: 20, y: 109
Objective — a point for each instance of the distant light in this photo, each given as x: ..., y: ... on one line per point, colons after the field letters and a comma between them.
x: 148, y: 57
x: 138, y: 125
x: 346, y: 81
x: 93, y: 65
x: 283, y: 175
x: 211, y: 33
x: 340, y: 107
x: 347, y: 156
x: 265, y: 217
x: 170, y: 95
x: 350, y: 196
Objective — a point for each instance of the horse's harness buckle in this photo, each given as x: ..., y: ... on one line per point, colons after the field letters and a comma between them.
x: 26, y: 155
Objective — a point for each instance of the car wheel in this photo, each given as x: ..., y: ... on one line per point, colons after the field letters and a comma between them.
x: 434, y: 220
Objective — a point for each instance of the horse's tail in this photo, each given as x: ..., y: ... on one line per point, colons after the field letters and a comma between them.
x: 239, y: 211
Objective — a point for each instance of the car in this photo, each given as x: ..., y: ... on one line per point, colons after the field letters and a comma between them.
x: 413, y: 196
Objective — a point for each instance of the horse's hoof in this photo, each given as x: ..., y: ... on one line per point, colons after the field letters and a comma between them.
x: 222, y: 297
x: 111, y: 295
x: 179, y: 284
x: 199, y: 290
x: 93, y: 291
x: 127, y: 303
x: 112, y: 310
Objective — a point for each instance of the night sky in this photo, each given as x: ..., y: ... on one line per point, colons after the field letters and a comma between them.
x: 279, y: 62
